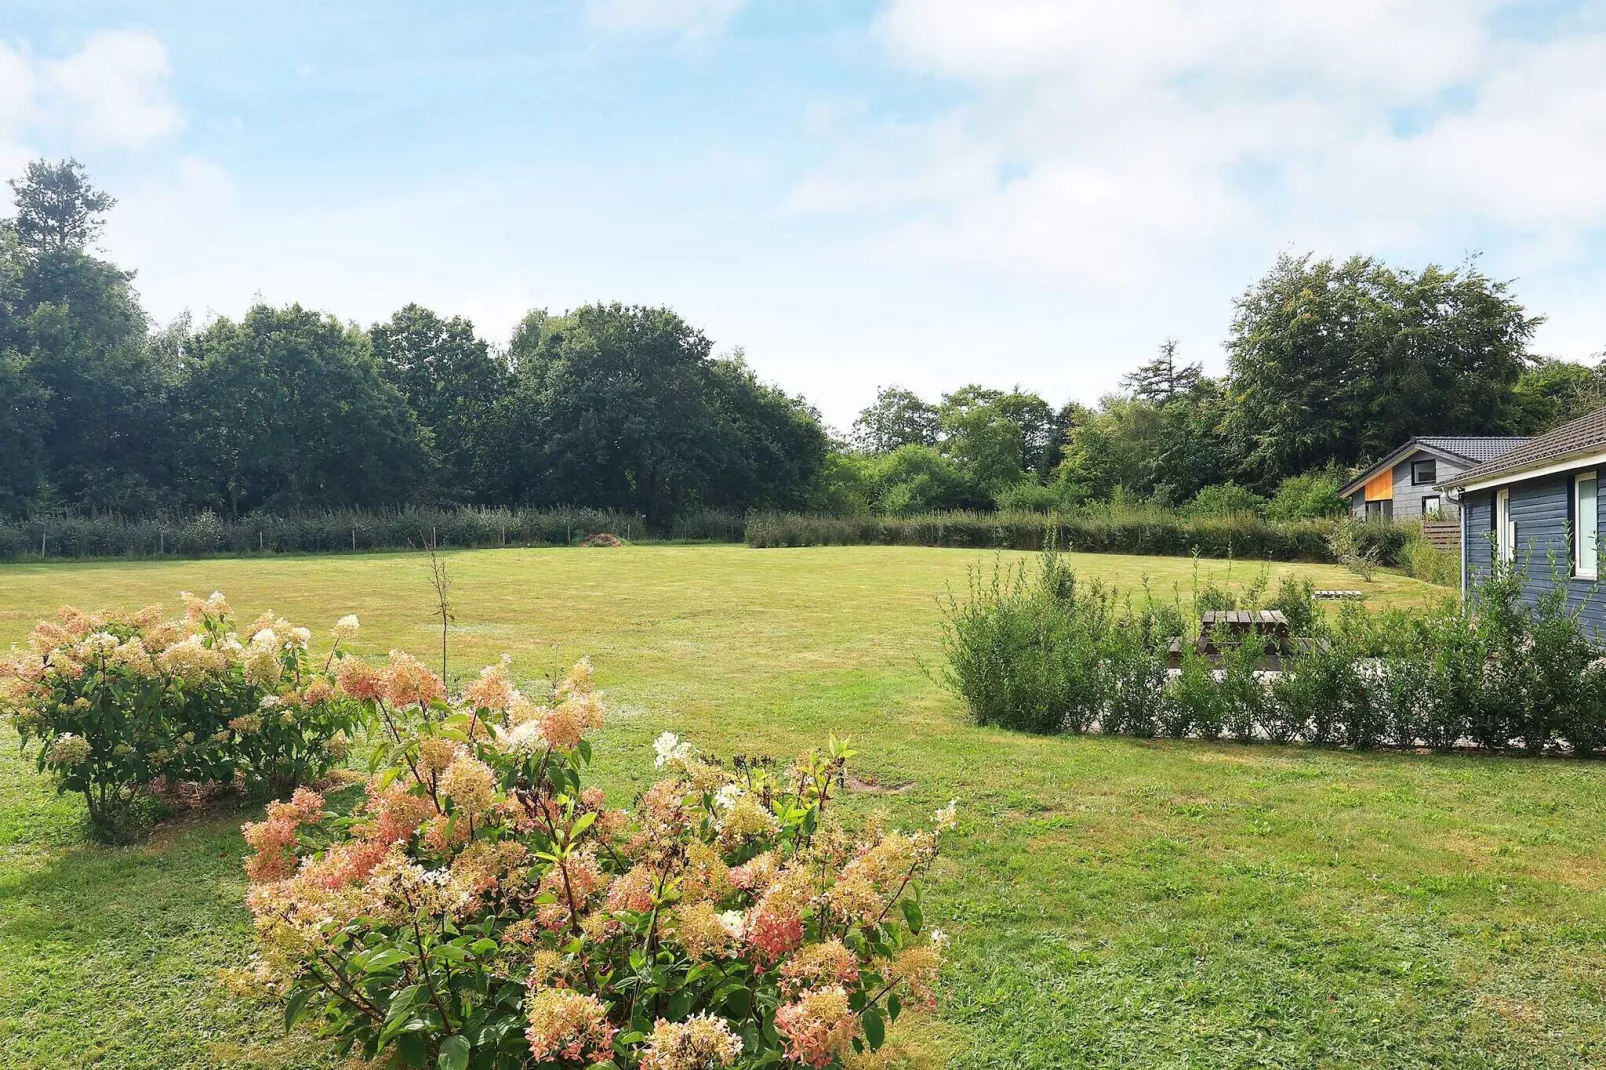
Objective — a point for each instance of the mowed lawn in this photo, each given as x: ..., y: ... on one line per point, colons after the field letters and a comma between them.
x: 1112, y: 903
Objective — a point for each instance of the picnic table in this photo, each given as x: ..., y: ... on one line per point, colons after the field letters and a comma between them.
x: 1219, y: 628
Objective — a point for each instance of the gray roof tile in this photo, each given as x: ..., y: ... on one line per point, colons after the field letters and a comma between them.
x: 1473, y: 448
x: 1583, y: 435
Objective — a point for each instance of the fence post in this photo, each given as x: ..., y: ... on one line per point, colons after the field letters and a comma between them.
x: 41, y: 544
x: 353, y: 538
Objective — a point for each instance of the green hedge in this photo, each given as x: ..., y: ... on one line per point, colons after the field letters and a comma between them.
x: 1044, y: 652
x: 205, y: 534
x: 1136, y: 531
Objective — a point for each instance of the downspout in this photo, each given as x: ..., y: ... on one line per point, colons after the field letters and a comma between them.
x: 1455, y: 497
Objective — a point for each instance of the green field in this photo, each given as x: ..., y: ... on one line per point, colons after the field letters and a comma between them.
x: 1113, y: 903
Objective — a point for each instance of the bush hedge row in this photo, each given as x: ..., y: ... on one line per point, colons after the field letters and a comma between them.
x: 1045, y: 653
x: 346, y: 530
x: 1136, y: 531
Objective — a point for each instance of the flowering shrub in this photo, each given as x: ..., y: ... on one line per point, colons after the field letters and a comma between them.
x: 484, y: 907
x: 118, y: 702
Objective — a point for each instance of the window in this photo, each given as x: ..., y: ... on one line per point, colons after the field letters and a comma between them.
x: 1586, y: 526
x: 1504, y: 527
x: 1379, y: 510
x: 1424, y: 473
x: 1431, y: 505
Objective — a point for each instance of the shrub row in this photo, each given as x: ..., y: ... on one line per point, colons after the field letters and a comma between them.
x: 1044, y: 653
x: 206, y: 533
x: 1126, y: 531
x: 116, y: 706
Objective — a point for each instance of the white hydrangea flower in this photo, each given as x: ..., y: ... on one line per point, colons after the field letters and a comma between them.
x: 670, y: 748
x: 523, y: 738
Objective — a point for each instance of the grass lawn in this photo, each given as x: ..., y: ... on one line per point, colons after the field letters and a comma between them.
x: 1113, y: 903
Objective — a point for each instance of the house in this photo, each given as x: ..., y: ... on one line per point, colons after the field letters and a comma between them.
x: 1404, y: 485
x: 1537, y: 506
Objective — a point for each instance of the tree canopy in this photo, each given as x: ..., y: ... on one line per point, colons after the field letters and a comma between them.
x: 1330, y: 364
x: 1344, y: 361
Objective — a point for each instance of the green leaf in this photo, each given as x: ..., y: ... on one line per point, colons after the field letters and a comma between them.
x: 454, y: 1053
x: 294, y: 1009
x: 384, y: 959
x: 738, y: 1000
x: 894, y: 1007
x: 911, y: 914
x: 875, y: 1028
x: 410, y: 1046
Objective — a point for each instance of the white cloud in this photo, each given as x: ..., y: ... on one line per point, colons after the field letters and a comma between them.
x: 694, y: 18
x: 1105, y: 143
x: 114, y: 91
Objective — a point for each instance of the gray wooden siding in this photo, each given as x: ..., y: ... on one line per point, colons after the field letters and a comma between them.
x: 1408, y: 498
x: 1540, y: 508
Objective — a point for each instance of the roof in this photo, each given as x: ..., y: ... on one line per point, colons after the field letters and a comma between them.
x: 1474, y: 448
x: 1575, y: 438
x: 1469, y: 450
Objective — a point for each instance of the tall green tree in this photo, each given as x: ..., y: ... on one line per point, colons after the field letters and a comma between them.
x: 781, y: 442
x: 1551, y: 392
x: 1162, y: 379
x: 57, y: 208
x: 625, y: 407
x: 98, y: 410
x: 1344, y: 361
x: 897, y: 418
x: 287, y: 409
x: 454, y: 385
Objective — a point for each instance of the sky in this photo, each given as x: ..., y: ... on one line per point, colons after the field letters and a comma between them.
x: 917, y: 192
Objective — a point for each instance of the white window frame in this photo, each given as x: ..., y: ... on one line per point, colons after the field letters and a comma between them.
x: 1585, y: 566
x: 1505, y: 527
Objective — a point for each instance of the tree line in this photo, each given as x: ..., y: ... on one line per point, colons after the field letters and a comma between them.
x: 629, y: 408
x: 1331, y: 365
x: 611, y: 406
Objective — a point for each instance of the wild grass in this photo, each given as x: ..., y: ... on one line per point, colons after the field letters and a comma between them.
x: 1113, y: 902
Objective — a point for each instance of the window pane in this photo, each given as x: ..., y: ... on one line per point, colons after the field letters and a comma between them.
x: 1588, y: 525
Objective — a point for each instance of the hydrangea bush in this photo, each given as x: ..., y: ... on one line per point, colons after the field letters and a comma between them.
x: 117, y: 703
x: 483, y: 907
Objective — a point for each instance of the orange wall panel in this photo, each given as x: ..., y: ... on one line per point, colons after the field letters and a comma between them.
x: 1380, y: 488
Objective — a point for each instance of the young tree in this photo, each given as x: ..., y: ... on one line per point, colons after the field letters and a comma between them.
x: 57, y: 208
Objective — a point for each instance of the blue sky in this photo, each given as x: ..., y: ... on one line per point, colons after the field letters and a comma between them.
x: 924, y: 192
